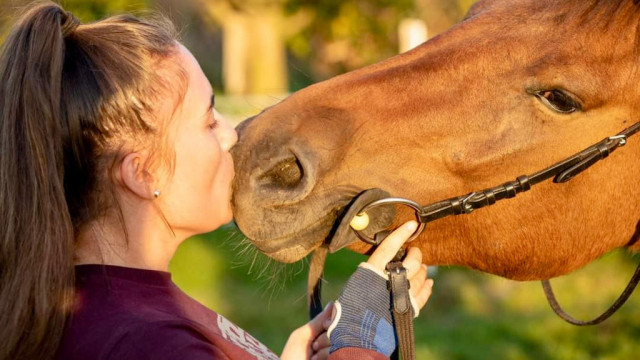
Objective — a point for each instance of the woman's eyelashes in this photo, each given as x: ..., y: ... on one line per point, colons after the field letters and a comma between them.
x: 213, y: 123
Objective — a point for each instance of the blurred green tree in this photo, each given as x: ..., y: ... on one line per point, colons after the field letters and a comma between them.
x: 315, y: 40
x: 275, y: 46
x: 88, y: 11
x: 344, y: 35
x: 254, y: 55
x: 85, y: 10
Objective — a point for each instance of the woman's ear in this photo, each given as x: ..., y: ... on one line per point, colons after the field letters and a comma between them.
x: 134, y: 177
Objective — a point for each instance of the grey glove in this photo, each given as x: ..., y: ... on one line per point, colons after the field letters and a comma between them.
x: 363, y: 314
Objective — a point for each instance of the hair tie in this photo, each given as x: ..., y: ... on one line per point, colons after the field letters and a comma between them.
x: 69, y: 24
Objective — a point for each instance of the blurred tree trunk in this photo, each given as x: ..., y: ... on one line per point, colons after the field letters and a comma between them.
x: 234, y: 55
x: 440, y: 15
x: 411, y: 33
x: 254, y: 55
x: 267, y: 61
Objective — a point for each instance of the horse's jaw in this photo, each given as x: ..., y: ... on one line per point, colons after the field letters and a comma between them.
x: 295, y: 239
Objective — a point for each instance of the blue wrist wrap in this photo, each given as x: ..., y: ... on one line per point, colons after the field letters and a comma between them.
x: 365, y: 315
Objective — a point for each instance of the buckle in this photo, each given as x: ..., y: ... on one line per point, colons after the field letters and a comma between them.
x: 622, y: 138
x: 466, y: 207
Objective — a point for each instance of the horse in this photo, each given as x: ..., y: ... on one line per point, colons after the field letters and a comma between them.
x: 516, y: 86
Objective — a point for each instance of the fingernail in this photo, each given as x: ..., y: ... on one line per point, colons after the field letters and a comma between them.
x: 412, y: 225
x: 315, y: 346
x: 326, y: 323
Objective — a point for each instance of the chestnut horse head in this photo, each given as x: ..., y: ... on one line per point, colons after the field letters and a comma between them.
x: 512, y: 89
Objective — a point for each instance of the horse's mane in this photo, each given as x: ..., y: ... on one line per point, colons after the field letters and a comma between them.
x: 591, y: 13
x: 607, y: 12
x: 619, y: 16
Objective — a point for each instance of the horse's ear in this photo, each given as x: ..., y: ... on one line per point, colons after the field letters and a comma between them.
x: 381, y: 218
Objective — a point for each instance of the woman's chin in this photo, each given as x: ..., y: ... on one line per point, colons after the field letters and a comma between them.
x: 211, y: 225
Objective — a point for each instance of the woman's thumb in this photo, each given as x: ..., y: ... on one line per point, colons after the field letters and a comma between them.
x: 321, y: 322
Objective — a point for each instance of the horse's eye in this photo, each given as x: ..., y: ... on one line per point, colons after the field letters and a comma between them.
x: 558, y: 100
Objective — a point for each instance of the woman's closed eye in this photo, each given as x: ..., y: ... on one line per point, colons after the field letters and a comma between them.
x: 213, y: 123
x: 211, y: 114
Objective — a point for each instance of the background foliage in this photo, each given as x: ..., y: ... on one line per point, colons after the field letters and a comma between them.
x: 309, y: 40
x: 471, y: 315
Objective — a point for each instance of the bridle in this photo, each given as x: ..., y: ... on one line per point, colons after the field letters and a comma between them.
x: 561, y: 172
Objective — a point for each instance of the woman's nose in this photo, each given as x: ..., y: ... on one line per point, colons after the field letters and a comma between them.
x: 228, y: 136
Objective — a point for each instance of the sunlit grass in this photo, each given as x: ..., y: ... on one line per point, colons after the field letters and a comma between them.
x: 471, y: 315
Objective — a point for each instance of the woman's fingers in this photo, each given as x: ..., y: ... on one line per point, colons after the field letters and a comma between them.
x: 301, y: 341
x: 413, y: 261
x: 321, y: 355
x: 321, y: 342
x: 317, y: 325
x: 420, y: 287
x: 424, y: 293
x: 416, y: 282
x: 388, y: 249
x: 321, y: 347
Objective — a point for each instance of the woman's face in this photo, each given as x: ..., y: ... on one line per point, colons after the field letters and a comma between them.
x: 196, y: 197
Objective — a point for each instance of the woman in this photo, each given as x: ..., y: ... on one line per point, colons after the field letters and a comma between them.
x: 111, y: 155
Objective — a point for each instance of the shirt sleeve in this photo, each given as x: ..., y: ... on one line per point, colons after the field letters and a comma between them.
x: 350, y: 353
x: 164, y: 342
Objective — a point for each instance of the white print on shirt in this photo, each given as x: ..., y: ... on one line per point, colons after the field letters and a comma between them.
x: 236, y: 335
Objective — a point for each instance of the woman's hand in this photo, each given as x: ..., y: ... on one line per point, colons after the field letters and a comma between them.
x: 362, y: 315
x: 310, y: 341
x: 420, y: 288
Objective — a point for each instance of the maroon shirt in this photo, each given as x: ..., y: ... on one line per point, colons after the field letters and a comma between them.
x: 125, y: 313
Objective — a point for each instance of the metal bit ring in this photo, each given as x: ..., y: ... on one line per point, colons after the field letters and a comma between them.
x: 390, y: 201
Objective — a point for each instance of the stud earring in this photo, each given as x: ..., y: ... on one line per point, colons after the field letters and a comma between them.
x: 156, y: 193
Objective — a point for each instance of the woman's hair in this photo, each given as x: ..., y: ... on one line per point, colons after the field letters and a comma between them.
x: 74, y: 99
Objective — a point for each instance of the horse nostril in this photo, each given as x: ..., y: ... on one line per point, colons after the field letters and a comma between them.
x: 286, y: 174
x: 283, y: 179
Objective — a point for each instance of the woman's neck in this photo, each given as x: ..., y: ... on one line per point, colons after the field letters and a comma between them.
x: 149, y: 244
